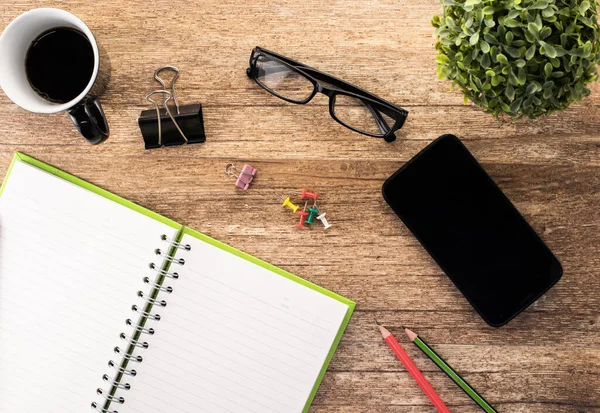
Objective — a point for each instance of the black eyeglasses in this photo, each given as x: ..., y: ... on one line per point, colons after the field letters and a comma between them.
x: 351, y: 106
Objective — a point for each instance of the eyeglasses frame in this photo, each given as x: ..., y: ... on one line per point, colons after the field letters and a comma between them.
x: 340, y: 87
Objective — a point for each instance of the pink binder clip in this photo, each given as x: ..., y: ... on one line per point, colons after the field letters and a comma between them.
x: 243, y: 177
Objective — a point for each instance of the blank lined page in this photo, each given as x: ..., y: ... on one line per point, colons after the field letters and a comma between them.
x: 71, y: 263
x: 234, y: 337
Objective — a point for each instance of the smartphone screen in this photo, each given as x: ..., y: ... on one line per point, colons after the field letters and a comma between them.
x: 472, y: 230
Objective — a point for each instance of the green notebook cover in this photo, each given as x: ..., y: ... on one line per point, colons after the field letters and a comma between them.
x: 184, y: 230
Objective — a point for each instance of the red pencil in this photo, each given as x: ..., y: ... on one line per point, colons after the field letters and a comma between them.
x: 413, y: 370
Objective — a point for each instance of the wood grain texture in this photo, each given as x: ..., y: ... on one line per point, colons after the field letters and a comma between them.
x: 545, y: 361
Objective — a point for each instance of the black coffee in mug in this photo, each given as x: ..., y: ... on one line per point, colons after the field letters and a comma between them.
x: 50, y: 62
x: 59, y: 64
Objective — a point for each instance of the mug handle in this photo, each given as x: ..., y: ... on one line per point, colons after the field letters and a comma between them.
x: 89, y: 119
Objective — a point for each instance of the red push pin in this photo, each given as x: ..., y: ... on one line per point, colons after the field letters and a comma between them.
x: 303, y: 215
x: 307, y: 195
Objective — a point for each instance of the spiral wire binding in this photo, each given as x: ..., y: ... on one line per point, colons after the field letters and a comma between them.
x: 133, y: 341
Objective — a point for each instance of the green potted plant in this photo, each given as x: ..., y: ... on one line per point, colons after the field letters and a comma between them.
x: 519, y: 57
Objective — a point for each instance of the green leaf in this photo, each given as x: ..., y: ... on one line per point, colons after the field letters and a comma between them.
x: 469, y: 22
x: 509, y: 92
x: 450, y: 22
x: 442, y: 59
x: 485, y: 61
x: 490, y: 38
x: 560, y: 52
x: 530, y: 52
x: 490, y: 73
x: 587, y: 49
x: 514, y: 52
x: 538, y: 22
x: 520, y: 63
x: 474, y: 39
x: 548, y: 12
x: 509, y: 37
x: 484, y: 46
x: 545, y: 32
x: 473, y: 85
x: 502, y: 59
x: 501, y: 31
x: 511, y: 23
x: 548, y: 49
x: 478, y: 82
x: 516, y: 105
x: 539, y: 5
x: 489, y: 22
x: 529, y: 37
x: 489, y: 10
x: 587, y: 21
x: 533, y: 87
x: 513, y: 13
x: 548, y: 69
x: 533, y: 29
x: 522, y: 76
x: 584, y: 7
x: 494, y: 51
x: 512, y: 79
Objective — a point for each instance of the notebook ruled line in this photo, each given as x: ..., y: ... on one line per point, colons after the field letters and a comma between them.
x: 262, y: 343
x: 205, y: 380
x: 233, y: 371
x: 257, y: 299
x: 245, y: 315
x: 230, y: 298
x: 72, y: 217
x: 231, y: 349
x: 218, y: 374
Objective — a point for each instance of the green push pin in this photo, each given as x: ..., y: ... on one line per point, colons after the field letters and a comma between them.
x: 312, y: 212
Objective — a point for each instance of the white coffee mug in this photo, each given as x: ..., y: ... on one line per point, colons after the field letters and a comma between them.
x: 85, y: 110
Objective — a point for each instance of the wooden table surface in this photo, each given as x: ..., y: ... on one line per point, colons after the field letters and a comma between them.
x: 546, y: 360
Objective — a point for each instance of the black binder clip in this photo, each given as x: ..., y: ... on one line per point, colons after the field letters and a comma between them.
x: 160, y: 127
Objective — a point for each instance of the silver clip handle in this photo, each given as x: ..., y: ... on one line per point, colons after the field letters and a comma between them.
x: 168, y: 96
x: 164, y: 86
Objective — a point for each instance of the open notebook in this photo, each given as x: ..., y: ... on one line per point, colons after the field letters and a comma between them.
x: 103, y: 302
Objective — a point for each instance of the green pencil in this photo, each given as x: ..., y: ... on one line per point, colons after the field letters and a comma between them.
x: 449, y: 371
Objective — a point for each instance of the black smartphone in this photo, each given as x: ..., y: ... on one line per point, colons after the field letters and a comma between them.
x: 472, y: 230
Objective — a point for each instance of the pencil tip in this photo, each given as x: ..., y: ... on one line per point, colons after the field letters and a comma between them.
x: 377, y: 322
x: 384, y: 331
x: 411, y: 334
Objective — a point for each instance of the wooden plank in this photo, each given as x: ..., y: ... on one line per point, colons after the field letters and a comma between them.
x: 296, y: 132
